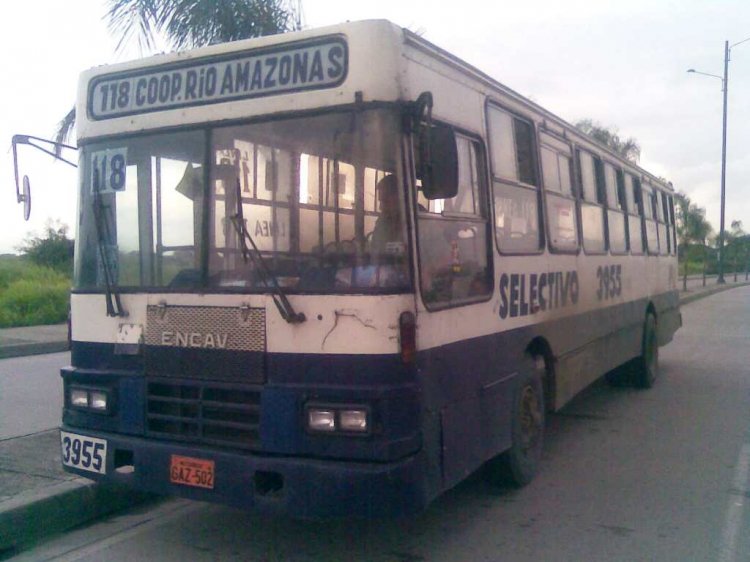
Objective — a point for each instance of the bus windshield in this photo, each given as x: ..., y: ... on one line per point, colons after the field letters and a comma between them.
x: 321, y: 196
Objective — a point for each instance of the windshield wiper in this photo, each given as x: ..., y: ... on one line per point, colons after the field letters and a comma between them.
x: 114, y: 306
x: 279, y: 297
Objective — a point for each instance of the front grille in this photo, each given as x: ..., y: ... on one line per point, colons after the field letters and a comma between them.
x: 204, y: 412
x: 206, y: 327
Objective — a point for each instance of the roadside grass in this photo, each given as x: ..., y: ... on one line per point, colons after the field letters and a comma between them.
x: 31, y: 295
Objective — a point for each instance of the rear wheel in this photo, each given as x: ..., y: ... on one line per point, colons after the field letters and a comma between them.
x: 646, y: 367
x: 518, y: 465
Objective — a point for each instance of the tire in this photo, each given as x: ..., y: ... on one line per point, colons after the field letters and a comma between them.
x: 518, y: 465
x: 646, y: 367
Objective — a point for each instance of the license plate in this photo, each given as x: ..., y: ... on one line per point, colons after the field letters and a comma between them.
x: 190, y: 471
x: 85, y: 453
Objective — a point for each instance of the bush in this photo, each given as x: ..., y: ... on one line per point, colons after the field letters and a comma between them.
x: 31, y: 295
x: 53, y: 250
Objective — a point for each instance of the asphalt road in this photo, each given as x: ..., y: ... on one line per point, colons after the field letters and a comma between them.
x: 31, y: 393
x: 628, y: 475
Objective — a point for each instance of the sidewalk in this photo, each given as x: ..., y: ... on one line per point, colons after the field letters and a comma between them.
x: 33, y: 340
x: 37, y: 498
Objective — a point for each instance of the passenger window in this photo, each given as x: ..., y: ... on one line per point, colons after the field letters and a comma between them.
x: 615, y: 215
x: 648, y: 205
x: 513, y: 148
x: 525, y: 152
x: 592, y: 214
x: 588, y: 177
x: 664, y: 238
x: 556, y: 171
x: 672, y: 226
x: 516, y: 218
x: 502, y: 144
x: 648, y: 202
x: 515, y: 185
x: 453, y: 242
x: 630, y: 195
x: 660, y: 216
x: 561, y: 209
x: 610, y: 182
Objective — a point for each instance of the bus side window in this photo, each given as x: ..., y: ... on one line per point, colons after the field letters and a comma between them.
x: 592, y: 214
x: 560, y: 201
x: 615, y: 213
x: 673, y: 228
x: 661, y: 216
x: 515, y: 184
x: 635, y: 230
x: 648, y: 201
x: 453, y: 244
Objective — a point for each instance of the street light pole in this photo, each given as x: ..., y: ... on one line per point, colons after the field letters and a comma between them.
x: 720, y: 280
x: 724, y: 88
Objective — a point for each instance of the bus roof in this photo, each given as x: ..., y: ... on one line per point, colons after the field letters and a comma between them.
x: 291, y: 72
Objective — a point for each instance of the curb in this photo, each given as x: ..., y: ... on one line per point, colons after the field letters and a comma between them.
x: 687, y: 298
x: 29, y: 517
x: 36, y: 348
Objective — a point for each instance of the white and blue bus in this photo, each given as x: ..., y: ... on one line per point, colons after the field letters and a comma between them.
x: 334, y: 272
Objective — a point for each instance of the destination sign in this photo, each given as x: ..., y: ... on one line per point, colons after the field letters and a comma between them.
x: 248, y: 74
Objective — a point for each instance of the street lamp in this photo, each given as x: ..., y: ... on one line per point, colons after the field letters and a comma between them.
x: 724, y: 88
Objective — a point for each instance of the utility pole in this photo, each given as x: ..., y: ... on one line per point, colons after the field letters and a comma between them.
x: 725, y: 84
x: 724, y: 88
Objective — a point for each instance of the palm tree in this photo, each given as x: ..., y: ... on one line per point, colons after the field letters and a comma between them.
x: 692, y: 227
x: 192, y: 23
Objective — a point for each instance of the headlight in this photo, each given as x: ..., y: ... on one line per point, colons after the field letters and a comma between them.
x: 79, y: 398
x: 321, y: 420
x: 353, y: 420
x: 332, y: 418
x: 92, y: 399
x: 98, y: 400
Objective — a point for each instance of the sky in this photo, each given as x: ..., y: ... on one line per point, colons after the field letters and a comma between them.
x: 622, y: 64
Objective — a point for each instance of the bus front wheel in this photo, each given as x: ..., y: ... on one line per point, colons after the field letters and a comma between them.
x: 646, y: 367
x: 518, y: 465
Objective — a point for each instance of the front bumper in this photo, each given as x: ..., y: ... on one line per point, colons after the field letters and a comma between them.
x: 310, y: 488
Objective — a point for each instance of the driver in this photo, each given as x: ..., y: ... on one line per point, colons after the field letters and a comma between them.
x: 388, y: 234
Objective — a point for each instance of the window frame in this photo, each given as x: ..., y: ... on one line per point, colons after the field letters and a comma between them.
x: 672, y: 223
x: 622, y: 204
x: 489, y: 105
x: 648, y: 191
x: 598, y: 170
x: 663, y: 222
x: 547, y: 192
x: 636, y: 212
x: 483, y: 181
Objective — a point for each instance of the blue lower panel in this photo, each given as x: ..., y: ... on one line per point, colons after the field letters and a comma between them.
x: 310, y: 488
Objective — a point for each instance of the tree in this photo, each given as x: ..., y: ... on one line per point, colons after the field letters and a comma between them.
x: 628, y: 148
x: 692, y: 228
x: 54, y: 249
x: 192, y: 23
x: 737, y: 244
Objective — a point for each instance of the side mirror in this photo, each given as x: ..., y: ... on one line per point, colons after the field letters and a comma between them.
x: 26, y: 198
x: 439, y: 162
